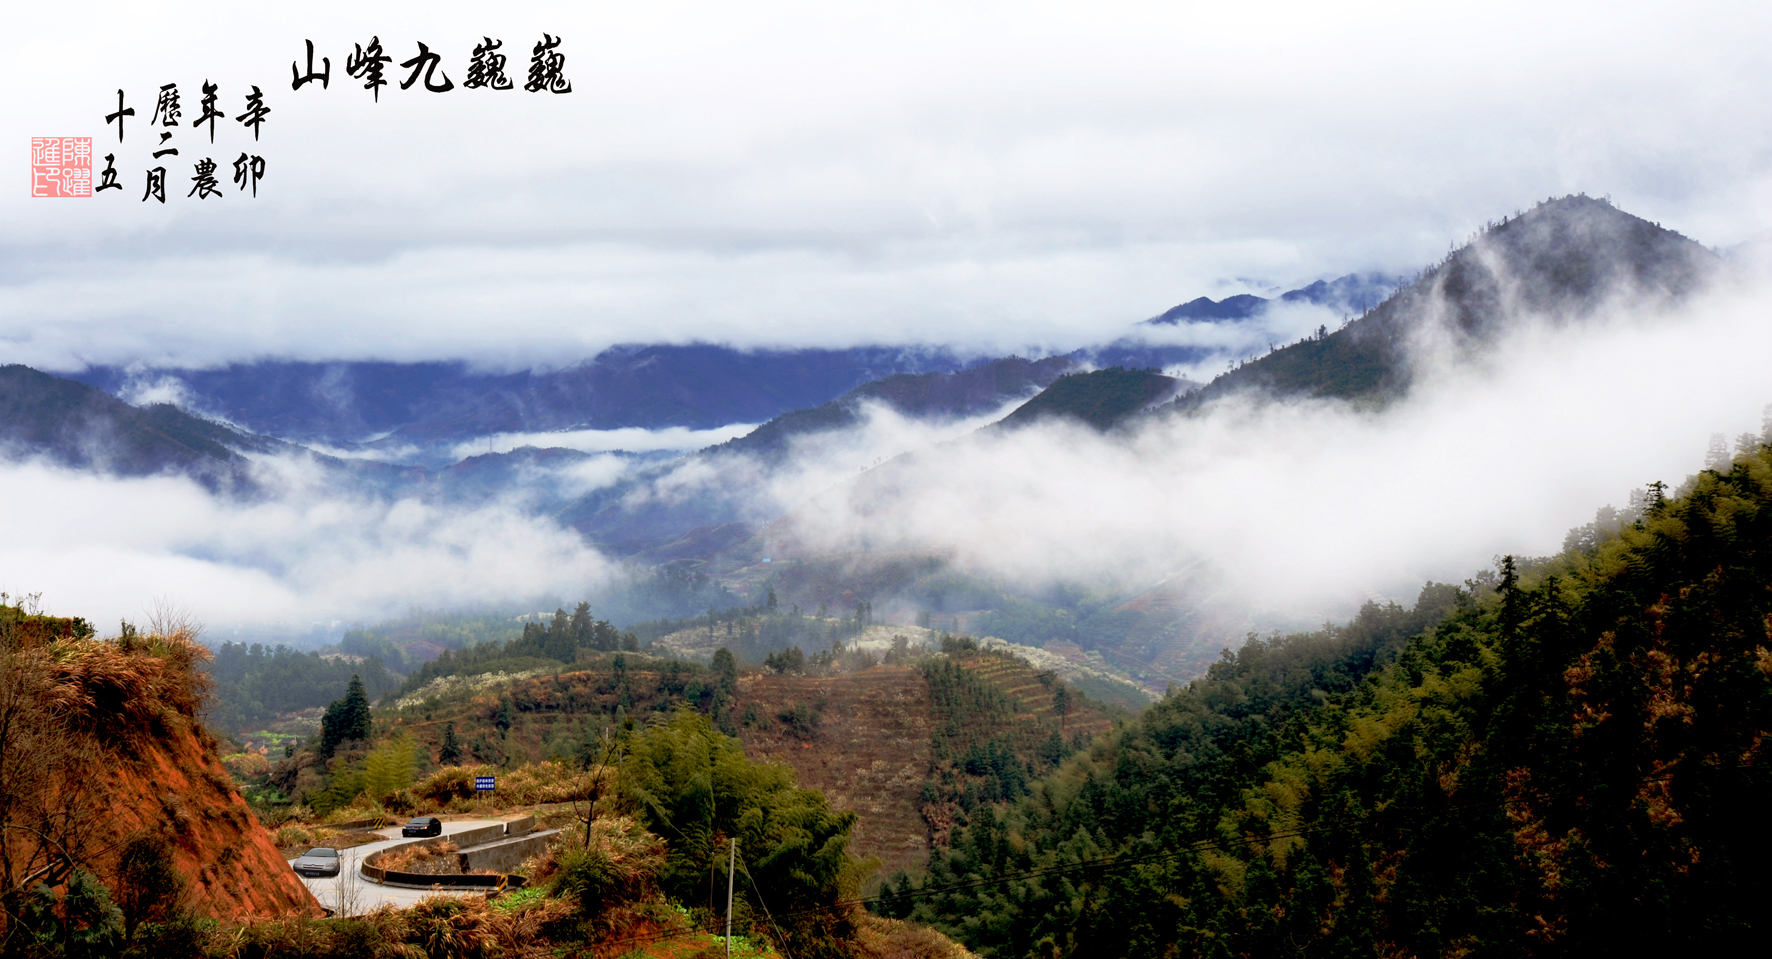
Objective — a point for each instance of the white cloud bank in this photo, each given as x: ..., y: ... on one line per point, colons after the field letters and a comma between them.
x: 632, y: 439
x: 1309, y: 508
x: 978, y: 175
x: 106, y: 548
x: 1304, y: 508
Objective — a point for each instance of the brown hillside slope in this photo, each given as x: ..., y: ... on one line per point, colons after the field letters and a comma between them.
x: 868, y: 751
x: 102, y: 743
x: 866, y: 739
x: 177, y: 785
x: 550, y: 714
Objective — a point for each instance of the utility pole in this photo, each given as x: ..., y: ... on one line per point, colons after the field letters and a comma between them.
x: 731, y: 861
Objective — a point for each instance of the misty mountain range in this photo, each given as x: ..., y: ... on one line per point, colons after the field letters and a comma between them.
x: 1353, y: 293
x: 1563, y: 262
x: 379, y: 406
x: 389, y: 408
x: 1561, y: 258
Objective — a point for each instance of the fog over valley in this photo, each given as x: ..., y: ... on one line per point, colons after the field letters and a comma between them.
x: 1502, y: 426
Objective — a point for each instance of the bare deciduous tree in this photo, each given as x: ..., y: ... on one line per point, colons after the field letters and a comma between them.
x: 168, y: 617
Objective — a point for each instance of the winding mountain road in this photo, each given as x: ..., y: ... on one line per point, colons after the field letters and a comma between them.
x: 351, y: 894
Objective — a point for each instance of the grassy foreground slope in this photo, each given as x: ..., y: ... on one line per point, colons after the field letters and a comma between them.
x: 1537, y: 764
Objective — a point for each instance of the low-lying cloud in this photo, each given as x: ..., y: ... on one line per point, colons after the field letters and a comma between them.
x: 761, y: 488
x: 1304, y: 508
x: 105, y: 548
x: 632, y: 439
x: 1311, y: 507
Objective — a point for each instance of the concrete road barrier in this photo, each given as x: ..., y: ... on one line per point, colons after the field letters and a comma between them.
x: 507, y: 855
x: 345, y: 894
x: 474, y: 837
x: 483, y: 847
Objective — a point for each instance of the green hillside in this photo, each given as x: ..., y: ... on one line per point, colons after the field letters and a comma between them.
x: 1100, y: 398
x: 1539, y: 762
x: 76, y: 425
x: 923, y: 395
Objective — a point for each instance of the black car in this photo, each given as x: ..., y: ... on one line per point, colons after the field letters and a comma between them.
x: 319, y: 861
x: 423, y: 826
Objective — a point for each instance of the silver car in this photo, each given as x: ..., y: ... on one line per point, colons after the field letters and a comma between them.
x: 319, y: 861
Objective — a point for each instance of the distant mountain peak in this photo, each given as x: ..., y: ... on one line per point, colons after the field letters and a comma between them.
x: 1355, y: 293
x: 1563, y: 260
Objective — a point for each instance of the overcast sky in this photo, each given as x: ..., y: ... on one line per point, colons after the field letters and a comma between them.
x: 987, y: 176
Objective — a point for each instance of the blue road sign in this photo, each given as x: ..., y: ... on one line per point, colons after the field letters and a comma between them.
x: 483, y: 783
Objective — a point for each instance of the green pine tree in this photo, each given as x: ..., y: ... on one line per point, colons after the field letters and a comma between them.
x: 450, y: 753
x: 506, y: 714
x: 346, y: 719
x: 725, y: 667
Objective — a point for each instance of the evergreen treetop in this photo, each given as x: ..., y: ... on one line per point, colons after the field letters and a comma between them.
x: 346, y: 719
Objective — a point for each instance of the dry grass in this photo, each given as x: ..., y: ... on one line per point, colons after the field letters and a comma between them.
x: 528, y: 785
x: 877, y: 938
x: 131, y: 688
x: 621, y: 839
x: 407, y: 858
x: 293, y: 840
x: 610, y: 883
x: 458, y: 927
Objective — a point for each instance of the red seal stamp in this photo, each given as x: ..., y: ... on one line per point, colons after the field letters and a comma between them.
x: 61, y: 166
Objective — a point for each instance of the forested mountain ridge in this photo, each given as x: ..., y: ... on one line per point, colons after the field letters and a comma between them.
x: 969, y: 392
x: 1538, y: 763
x: 1098, y: 398
x: 75, y: 425
x: 694, y: 385
x: 78, y: 426
x: 1560, y: 261
x: 1354, y: 292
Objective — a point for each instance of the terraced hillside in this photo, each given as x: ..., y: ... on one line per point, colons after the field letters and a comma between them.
x: 1036, y: 697
x: 863, y: 738
x: 913, y: 750
x: 998, y: 723
x: 548, y: 716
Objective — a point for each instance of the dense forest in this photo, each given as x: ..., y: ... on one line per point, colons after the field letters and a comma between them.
x: 1534, y: 763
x: 408, y: 642
x: 559, y: 642
x: 254, y: 683
x: 754, y: 633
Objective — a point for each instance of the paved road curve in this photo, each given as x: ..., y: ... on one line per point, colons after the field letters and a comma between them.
x: 350, y: 894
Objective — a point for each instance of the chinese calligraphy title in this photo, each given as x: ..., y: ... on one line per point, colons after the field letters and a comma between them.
x: 62, y: 166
